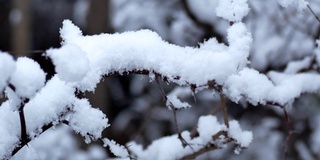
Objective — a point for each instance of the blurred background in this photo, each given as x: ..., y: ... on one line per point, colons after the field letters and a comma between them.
x: 134, y: 105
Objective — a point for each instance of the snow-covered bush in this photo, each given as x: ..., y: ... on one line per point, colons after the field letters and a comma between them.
x: 34, y: 107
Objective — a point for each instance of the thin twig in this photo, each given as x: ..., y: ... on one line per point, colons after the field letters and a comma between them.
x: 289, y: 130
x: 224, y: 110
x: 313, y: 13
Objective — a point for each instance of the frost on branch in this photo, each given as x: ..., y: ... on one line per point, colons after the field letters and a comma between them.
x: 28, y: 77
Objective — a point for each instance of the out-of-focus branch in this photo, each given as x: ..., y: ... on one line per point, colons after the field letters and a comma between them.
x: 207, y: 28
x: 224, y: 110
x: 314, y: 14
x: 289, y: 130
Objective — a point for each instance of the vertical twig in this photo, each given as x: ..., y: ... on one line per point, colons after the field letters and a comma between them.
x: 24, y: 137
x: 183, y: 141
x: 224, y: 110
x: 289, y: 130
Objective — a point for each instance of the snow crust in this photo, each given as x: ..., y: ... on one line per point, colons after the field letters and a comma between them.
x: 95, y: 56
x: 296, y: 66
x: 278, y: 87
x: 84, y: 126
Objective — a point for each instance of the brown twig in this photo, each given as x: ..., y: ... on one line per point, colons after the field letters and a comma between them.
x: 289, y: 130
x: 224, y: 110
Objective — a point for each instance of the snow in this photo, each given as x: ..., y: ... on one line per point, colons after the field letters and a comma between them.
x: 94, y: 56
x: 48, y: 105
x: 289, y: 87
x: 206, y: 132
x: 58, y: 143
x: 28, y: 77
x: 243, y: 138
x: 173, y: 98
x: 170, y: 147
x: 7, y: 67
x: 145, y: 50
x: 296, y: 66
x: 232, y: 10
x: 116, y: 149
x: 67, y: 71
x: 90, y: 127
x: 299, y: 4
x: 69, y: 31
x: 9, y: 123
x: 13, y: 98
x: 278, y: 87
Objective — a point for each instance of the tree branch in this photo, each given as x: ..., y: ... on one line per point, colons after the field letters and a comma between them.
x: 224, y: 110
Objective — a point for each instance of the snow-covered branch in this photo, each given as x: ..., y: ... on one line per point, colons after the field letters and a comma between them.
x: 34, y: 105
